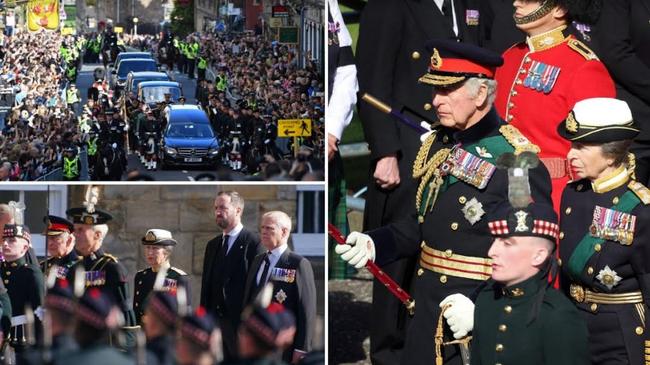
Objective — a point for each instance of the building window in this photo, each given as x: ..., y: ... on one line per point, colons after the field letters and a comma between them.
x: 309, y: 233
x: 39, y: 201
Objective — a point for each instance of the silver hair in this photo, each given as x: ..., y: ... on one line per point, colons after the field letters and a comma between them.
x: 282, y: 219
x: 473, y: 85
x: 101, y: 228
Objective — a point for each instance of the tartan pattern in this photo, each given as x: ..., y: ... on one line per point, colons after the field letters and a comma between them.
x: 546, y: 228
x: 498, y: 228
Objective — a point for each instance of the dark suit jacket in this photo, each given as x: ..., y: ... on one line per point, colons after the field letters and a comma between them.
x: 620, y: 39
x: 222, y: 283
x: 299, y: 296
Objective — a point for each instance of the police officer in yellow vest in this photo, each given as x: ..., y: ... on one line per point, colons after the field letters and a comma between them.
x: 73, y: 97
x: 192, y: 54
x: 71, y: 166
x: 202, y: 66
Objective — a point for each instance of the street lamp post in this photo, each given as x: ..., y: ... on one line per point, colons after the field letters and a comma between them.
x: 135, y: 25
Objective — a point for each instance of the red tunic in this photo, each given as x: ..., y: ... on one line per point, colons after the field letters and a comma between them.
x: 538, y: 87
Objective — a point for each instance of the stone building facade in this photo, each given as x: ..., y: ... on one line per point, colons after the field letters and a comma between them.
x: 186, y: 211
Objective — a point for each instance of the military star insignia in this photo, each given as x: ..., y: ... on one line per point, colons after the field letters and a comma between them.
x: 281, y: 296
x: 608, y: 277
x: 473, y: 211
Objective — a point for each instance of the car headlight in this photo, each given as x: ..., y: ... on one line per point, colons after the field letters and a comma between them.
x: 170, y: 151
x: 213, y: 151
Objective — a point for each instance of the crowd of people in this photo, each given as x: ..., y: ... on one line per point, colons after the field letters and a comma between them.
x: 257, y: 297
x: 38, y: 125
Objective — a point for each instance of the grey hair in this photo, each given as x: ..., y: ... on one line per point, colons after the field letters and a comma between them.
x: 473, y: 85
x: 101, y: 228
x: 617, y: 150
x: 282, y: 219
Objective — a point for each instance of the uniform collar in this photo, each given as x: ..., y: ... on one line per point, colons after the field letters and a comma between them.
x: 480, y: 130
x: 165, y: 265
x: 546, y: 40
x: 526, y: 288
x: 20, y: 262
x: 95, y: 255
x: 612, y: 181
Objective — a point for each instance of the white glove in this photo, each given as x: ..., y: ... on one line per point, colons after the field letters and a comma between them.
x: 460, y: 316
x: 425, y: 135
x: 358, y: 249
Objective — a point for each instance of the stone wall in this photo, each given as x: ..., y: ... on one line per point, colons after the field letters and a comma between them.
x: 186, y: 211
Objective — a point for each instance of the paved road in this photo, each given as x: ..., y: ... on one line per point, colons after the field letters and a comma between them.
x: 85, y: 80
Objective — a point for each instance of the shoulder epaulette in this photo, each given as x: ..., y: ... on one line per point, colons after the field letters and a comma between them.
x: 111, y: 257
x: 582, y: 48
x: 641, y: 191
x: 143, y: 270
x: 179, y: 271
x: 518, y: 140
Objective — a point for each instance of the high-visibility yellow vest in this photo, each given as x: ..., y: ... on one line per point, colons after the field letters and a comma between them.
x: 71, y: 167
x: 203, y: 63
x: 71, y: 96
x: 92, y: 146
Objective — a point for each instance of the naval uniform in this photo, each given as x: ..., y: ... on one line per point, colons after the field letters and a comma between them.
x: 538, y: 85
x: 63, y: 264
x: 502, y: 334
x: 606, y: 264
x: 451, y: 236
x: 144, y: 281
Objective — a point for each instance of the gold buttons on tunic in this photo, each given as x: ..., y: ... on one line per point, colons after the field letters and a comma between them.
x: 519, y: 82
x: 462, y: 200
x: 598, y: 247
x: 443, y: 279
x: 415, y: 55
x: 507, y: 309
x: 420, y: 272
x: 449, y: 252
x: 522, y: 71
x: 559, y: 262
x: 511, y: 105
x: 427, y: 106
x: 510, y: 117
x: 561, y: 235
x: 454, y: 226
x: 527, y: 59
x: 503, y: 327
x: 137, y: 292
x: 445, y: 139
x: 580, y: 187
x: 567, y: 211
x: 594, y: 307
x: 499, y: 347
x: 639, y: 330
x: 590, y: 270
x: 6, y: 281
x: 615, y: 200
x: 513, y: 93
x: 8, y: 273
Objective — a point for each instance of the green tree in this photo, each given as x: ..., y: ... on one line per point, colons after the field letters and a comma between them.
x: 182, y: 18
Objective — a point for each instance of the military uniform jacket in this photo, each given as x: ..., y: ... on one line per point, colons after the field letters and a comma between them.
x: 294, y: 288
x: 503, y: 334
x: 449, y: 230
x: 103, y: 271
x: 63, y: 264
x: 609, y: 265
x: 144, y: 281
x: 538, y: 85
x: 24, y: 283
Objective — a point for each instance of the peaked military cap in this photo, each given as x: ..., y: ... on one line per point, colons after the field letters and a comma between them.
x: 599, y: 120
x: 82, y: 216
x: 453, y: 62
x: 57, y: 225
x: 158, y: 237
x: 538, y: 220
x: 273, y: 325
x: 17, y: 230
x: 198, y: 327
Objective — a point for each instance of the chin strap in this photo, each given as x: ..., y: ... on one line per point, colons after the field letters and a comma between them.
x: 538, y: 13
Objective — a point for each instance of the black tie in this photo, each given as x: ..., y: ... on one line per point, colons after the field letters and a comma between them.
x: 224, y: 246
x: 448, y: 12
x: 265, y: 271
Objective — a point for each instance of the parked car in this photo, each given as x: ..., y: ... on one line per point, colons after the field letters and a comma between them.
x: 188, y: 138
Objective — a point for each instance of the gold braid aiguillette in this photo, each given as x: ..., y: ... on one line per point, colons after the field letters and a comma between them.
x: 424, y: 170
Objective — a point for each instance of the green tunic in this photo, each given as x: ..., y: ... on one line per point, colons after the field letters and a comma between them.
x: 502, y: 336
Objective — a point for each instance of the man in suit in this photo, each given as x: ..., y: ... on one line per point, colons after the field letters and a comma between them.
x: 390, y: 58
x: 620, y: 38
x: 292, y: 278
x: 227, y: 260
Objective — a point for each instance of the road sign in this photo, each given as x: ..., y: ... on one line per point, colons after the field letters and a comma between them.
x: 294, y: 128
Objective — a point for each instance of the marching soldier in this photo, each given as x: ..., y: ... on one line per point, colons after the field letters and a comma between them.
x: 101, y: 270
x: 60, y: 246
x: 158, y: 245
x: 458, y: 184
x: 517, y: 318
x: 199, y: 339
x: 160, y: 327
x: 24, y: 282
x: 604, y: 232
x: 97, y: 315
x: 541, y: 79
